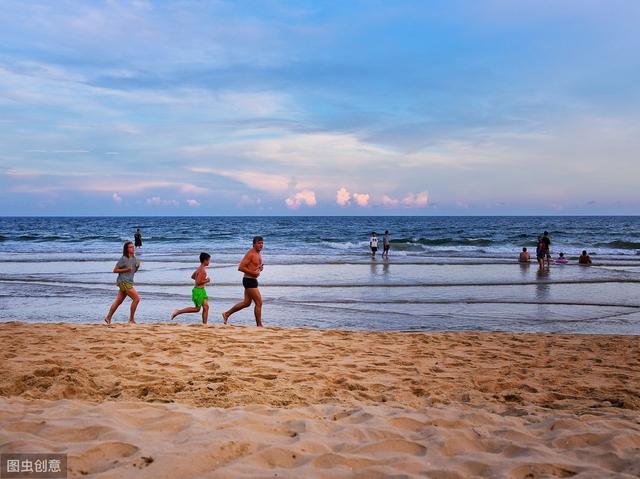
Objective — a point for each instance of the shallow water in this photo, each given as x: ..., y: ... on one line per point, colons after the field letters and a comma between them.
x: 318, y: 272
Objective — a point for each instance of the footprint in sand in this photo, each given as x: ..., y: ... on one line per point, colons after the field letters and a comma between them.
x: 269, y: 377
x: 102, y: 457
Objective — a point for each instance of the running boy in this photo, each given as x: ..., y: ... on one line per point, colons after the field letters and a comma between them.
x: 198, y: 293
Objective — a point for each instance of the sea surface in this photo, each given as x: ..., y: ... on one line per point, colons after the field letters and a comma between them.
x: 443, y: 273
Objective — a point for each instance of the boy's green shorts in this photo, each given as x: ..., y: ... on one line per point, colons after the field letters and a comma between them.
x: 198, y: 295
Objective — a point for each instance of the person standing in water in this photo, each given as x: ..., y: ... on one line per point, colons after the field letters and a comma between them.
x: 373, y: 244
x: 386, y: 244
x: 546, y: 246
x: 543, y: 249
x: 251, y: 265
x: 137, y: 237
x: 126, y: 267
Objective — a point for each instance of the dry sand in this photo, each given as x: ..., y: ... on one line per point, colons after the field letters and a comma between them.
x: 188, y: 401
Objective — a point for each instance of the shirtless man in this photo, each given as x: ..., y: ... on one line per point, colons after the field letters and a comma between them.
x: 251, y: 266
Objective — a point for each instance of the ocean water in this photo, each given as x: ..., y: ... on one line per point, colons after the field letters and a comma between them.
x: 443, y: 273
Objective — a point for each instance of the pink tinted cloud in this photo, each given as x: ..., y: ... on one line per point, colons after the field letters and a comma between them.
x: 343, y: 197
x: 362, y: 199
x: 411, y: 200
x: 389, y: 202
x: 304, y: 197
x: 419, y: 200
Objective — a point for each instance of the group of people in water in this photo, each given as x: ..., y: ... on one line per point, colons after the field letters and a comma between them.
x: 251, y: 266
x: 543, y: 253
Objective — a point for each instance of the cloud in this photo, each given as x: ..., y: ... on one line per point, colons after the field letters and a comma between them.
x: 307, y: 197
x: 21, y: 173
x: 246, y: 200
x: 117, y: 199
x: 136, y: 186
x: 58, y: 151
x: 300, y: 150
x: 318, y: 148
x: 343, y: 197
x: 362, y: 199
x: 258, y: 104
x: 419, y: 200
x: 63, y: 182
x: 411, y: 200
x: 256, y: 180
x: 157, y: 201
x: 193, y: 203
x: 278, y: 118
x: 389, y: 202
x: 33, y: 189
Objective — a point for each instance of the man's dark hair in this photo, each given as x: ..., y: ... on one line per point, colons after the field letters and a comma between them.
x: 204, y: 257
x: 546, y: 233
x: 257, y: 239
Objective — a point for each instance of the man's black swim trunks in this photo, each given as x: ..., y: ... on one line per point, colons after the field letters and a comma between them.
x: 249, y: 283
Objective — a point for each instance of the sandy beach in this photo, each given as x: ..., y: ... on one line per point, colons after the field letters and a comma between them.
x: 187, y: 401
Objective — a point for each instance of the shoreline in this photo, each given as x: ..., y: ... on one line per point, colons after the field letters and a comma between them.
x: 248, y: 402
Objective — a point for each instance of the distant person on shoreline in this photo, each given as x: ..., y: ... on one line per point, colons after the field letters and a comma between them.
x: 584, y: 258
x: 126, y: 267
x: 137, y: 237
x: 386, y: 244
x: 198, y: 293
x: 561, y: 259
x: 524, y: 257
x: 373, y: 244
x: 251, y: 265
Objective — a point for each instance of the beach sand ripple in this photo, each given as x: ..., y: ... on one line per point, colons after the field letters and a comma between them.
x: 187, y: 401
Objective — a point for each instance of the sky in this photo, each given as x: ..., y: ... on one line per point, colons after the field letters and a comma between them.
x: 478, y: 107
